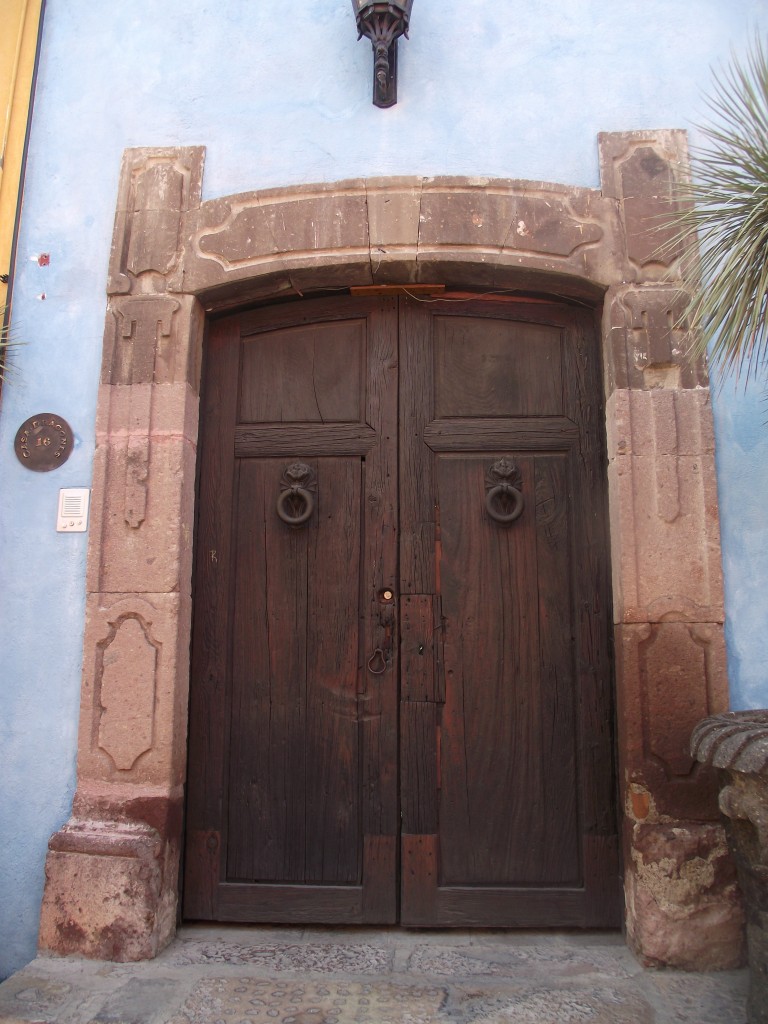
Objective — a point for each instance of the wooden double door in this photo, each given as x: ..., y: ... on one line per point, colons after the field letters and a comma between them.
x: 401, y: 690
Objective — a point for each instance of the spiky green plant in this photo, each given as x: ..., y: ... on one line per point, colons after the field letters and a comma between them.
x: 7, y: 343
x: 728, y: 209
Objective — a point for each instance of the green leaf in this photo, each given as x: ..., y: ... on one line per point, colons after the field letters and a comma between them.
x: 726, y: 206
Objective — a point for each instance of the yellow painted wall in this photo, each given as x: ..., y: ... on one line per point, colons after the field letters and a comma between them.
x: 18, y: 45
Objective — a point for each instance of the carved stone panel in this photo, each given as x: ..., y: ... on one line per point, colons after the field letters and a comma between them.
x: 540, y: 222
x: 144, y: 470
x: 646, y: 183
x: 300, y: 225
x: 125, y: 678
x: 663, y: 503
x: 639, y: 170
x: 154, y: 235
x: 135, y: 688
x: 671, y: 675
x: 157, y: 186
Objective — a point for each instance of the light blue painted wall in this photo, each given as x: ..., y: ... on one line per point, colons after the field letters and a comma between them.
x: 279, y: 93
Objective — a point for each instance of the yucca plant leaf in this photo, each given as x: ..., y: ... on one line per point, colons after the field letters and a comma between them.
x: 726, y: 208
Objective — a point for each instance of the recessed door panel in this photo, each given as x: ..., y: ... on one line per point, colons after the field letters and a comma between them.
x: 507, y: 736
x: 507, y: 369
x: 313, y: 373
x: 294, y: 751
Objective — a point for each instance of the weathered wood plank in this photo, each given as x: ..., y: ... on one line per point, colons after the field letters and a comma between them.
x: 334, y: 851
x: 303, y: 440
x: 286, y: 904
x: 540, y: 907
x: 534, y: 434
x: 419, y: 880
x: 202, y: 872
x: 333, y: 309
x: 267, y: 819
x: 378, y: 701
x: 417, y: 493
x: 208, y: 725
x: 417, y: 647
x: 380, y: 879
x: 558, y: 832
x: 418, y: 746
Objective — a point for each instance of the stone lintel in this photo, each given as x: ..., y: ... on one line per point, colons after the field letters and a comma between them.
x: 394, y: 229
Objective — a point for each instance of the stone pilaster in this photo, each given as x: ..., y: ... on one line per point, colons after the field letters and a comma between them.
x: 112, y: 871
x: 682, y: 903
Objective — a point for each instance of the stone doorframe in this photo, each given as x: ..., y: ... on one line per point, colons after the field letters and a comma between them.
x: 112, y: 870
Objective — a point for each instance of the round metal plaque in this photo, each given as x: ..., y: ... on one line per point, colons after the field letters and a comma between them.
x: 44, y: 442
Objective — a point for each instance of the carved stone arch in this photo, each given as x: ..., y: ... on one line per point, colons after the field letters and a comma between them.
x: 176, y: 258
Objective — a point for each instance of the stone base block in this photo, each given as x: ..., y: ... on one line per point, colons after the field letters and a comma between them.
x: 684, y: 908
x: 109, y: 894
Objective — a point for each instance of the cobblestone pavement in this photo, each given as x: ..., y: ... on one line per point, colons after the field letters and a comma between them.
x: 218, y: 975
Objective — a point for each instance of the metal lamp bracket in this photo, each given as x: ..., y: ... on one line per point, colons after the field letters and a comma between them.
x: 383, y: 24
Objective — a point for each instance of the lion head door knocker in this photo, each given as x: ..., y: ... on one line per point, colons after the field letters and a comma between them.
x: 296, y: 501
x: 503, y: 498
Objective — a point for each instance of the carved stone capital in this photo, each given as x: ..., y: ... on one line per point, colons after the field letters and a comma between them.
x: 650, y: 340
x: 152, y: 339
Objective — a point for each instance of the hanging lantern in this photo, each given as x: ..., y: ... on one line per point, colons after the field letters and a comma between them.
x: 383, y: 24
